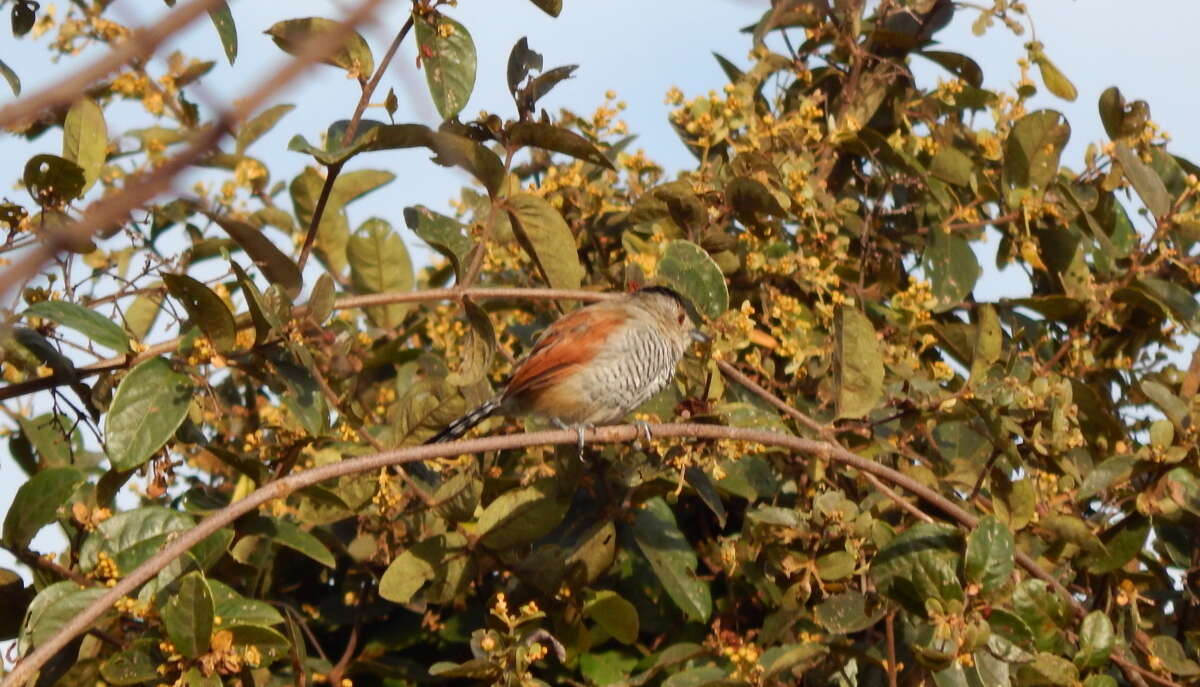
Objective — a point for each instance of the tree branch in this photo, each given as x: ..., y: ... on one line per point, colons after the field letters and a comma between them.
x: 332, y: 171
x: 115, y: 210
x: 287, y: 485
x: 244, y: 322
x: 140, y: 46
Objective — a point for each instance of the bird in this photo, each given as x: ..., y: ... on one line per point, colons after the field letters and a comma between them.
x: 594, y: 365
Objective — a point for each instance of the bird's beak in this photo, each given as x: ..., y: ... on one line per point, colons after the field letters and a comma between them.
x: 700, y: 336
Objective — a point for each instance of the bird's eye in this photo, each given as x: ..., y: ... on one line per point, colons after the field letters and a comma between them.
x: 682, y: 317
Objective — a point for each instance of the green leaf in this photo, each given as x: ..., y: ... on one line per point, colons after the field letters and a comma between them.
x: 1033, y: 149
x: 1168, y: 650
x: 521, y: 515
x: 672, y: 558
x: 952, y: 166
x: 271, y: 645
x: 222, y: 19
x: 259, y: 125
x: 431, y: 560
x: 205, y: 309
x: 291, y: 35
x: 140, y: 315
x: 989, y: 558
x: 691, y: 271
x: 847, y: 612
x: 1112, y: 471
x: 1149, y: 186
x: 448, y: 58
x: 36, y: 504
x: 286, y: 534
x: 547, y: 239
x: 617, y: 616
x: 186, y: 609
x: 1096, y: 641
x: 1048, y: 669
x: 379, y: 263
x: 1056, y: 82
x: 1074, y: 530
x: 550, y: 7
x: 960, y: 65
x: 234, y: 609
x: 555, y: 138
x: 14, y: 81
x: 85, y: 139
x: 133, y: 665
x: 704, y: 676
x: 131, y: 537
x: 444, y: 234
x: 277, y: 267
x: 859, y: 364
x: 919, y: 564
x: 90, y: 323
x: 952, y: 268
x: 53, y: 608
x: 835, y: 565
x: 49, y: 434
x: 150, y: 404
x: 53, y: 180
x: 450, y: 150
x: 476, y: 348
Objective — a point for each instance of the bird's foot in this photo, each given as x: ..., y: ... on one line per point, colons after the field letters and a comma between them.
x: 579, y: 428
x: 644, y: 428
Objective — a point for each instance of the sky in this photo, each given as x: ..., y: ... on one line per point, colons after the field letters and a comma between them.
x: 640, y: 49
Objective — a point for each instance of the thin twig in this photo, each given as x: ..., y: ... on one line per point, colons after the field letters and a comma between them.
x: 333, y: 170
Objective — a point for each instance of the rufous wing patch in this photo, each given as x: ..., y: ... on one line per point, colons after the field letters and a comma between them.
x: 565, y: 345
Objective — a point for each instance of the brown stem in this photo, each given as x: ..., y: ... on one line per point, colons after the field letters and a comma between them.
x: 33, y: 560
x: 333, y: 170
x: 331, y: 175
x: 369, y: 89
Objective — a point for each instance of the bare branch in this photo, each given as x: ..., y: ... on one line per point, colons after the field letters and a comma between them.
x: 138, y: 191
x: 332, y: 171
x: 139, y: 46
x: 287, y: 485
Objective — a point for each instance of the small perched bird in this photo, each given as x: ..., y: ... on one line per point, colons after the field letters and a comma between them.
x: 594, y: 365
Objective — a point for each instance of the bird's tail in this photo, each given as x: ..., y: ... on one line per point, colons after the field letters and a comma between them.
x: 464, y: 424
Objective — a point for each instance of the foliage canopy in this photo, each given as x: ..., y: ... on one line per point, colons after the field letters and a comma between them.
x: 826, y: 235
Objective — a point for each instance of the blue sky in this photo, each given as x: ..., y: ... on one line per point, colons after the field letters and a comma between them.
x: 640, y: 48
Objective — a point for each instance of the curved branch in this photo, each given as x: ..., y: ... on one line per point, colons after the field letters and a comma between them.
x: 287, y: 485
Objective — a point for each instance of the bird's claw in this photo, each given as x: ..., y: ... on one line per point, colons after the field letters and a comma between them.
x: 644, y: 429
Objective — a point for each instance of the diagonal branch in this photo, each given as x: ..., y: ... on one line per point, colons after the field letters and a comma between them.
x: 332, y: 171
x: 115, y: 210
x: 140, y: 46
